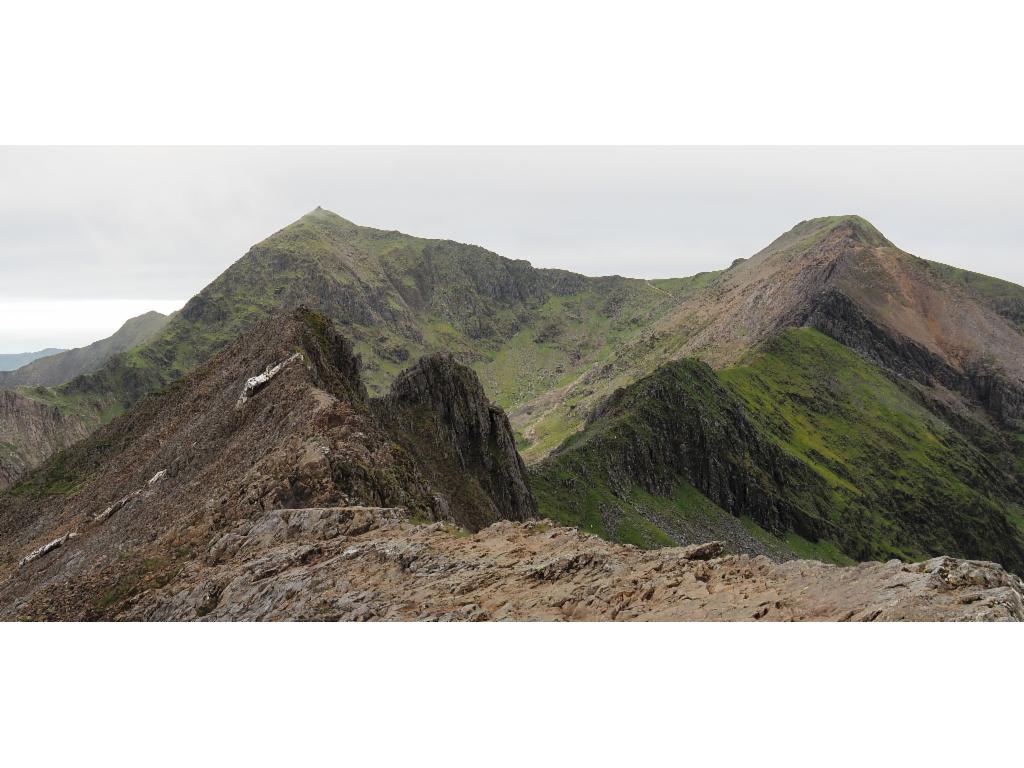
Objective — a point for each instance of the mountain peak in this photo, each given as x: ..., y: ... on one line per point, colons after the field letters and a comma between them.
x: 850, y: 225
x: 321, y: 215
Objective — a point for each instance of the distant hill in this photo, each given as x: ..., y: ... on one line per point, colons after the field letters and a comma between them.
x: 12, y: 362
x: 65, y: 365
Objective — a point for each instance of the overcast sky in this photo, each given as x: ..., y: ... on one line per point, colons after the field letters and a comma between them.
x: 91, y: 236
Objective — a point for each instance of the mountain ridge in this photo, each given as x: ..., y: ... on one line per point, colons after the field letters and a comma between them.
x: 65, y: 365
x: 819, y: 274
x: 553, y: 348
x: 14, y: 361
x: 168, y: 480
x: 281, y: 496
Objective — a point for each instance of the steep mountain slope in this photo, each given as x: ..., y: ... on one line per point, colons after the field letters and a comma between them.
x: 11, y: 362
x: 903, y: 480
x: 894, y: 383
x: 30, y: 432
x: 289, y: 494
x: 36, y: 420
x: 841, y: 276
x: 397, y: 297
x: 681, y: 436
x: 146, y: 496
x: 58, y: 368
x: 901, y: 370
x: 809, y: 443
x: 1001, y: 296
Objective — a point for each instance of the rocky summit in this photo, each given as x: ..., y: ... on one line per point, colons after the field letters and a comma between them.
x: 361, y: 424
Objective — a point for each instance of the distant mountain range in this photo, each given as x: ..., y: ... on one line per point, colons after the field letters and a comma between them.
x: 830, y: 397
x: 32, y: 428
x: 63, y: 365
x: 10, y: 362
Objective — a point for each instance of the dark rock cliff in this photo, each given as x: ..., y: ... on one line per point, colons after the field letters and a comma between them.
x: 438, y: 410
x: 681, y: 424
x: 29, y: 432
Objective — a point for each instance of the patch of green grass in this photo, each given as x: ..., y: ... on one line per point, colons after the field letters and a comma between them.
x: 843, y: 462
x: 58, y: 476
x: 903, y: 482
x: 1016, y: 514
x: 653, y: 436
x: 396, y: 297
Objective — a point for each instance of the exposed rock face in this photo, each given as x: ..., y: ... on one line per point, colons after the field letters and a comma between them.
x: 192, y: 463
x: 434, y: 444
x: 894, y: 309
x: 395, y: 296
x: 439, y: 397
x: 978, y: 378
x: 680, y: 424
x: 29, y: 432
x: 372, y: 564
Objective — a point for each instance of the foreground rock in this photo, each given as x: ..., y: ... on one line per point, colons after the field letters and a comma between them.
x: 374, y: 564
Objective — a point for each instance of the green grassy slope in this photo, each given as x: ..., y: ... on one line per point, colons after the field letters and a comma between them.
x: 903, y: 482
x: 398, y: 297
x: 804, y: 445
x: 57, y: 369
x: 674, y: 447
x: 805, y: 440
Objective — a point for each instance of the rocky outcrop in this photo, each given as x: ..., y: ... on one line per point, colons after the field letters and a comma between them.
x: 30, y: 431
x: 363, y: 564
x: 395, y: 296
x: 680, y: 424
x: 196, y: 462
x: 439, y: 408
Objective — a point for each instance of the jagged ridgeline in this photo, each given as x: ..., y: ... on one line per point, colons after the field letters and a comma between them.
x: 865, y: 404
x: 278, y: 420
x: 831, y: 396
x: 806, y: 442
